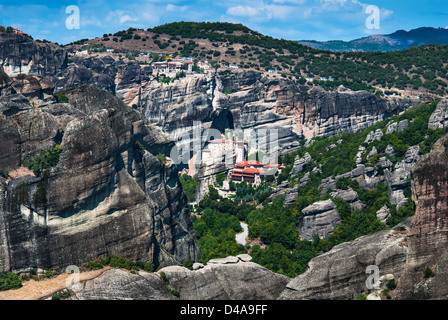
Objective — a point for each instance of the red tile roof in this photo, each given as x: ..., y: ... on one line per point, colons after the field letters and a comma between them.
x: 249, y: 163
x: 251, y: 171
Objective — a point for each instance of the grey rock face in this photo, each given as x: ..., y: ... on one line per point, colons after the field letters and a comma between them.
x: 390, y: 151
x: 397, y: 126
x: 398, y: 178
x: 341, y: 272
x: 349, y: 196
x: 439, y: 118
x: 45, y: 59
x: 117, y: 284
x: 383, y: 214
x: 319, y: 218
x: 374, y: 135
x: 104, y: 196
x: 299, y: 164
x: 384, y: 163
x: 291, y: 195
x: 33, y: 86
x: 260, y: 103
x: 428, y: 234
x: 232, y: 278
x: 236, y: 280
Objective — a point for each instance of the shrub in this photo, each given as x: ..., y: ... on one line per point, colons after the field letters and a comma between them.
x: 44, y: 160
x: 149, y: 267
x: 10, y: 281
x: 61, y: 97
x: 61, y: 295
x: 428, y: 273
x: 4, y: 174
x: 188, y: 264
x: 361, y: 297
x: 161, y: 157
x: 139, y: 146
x: 391, y: 284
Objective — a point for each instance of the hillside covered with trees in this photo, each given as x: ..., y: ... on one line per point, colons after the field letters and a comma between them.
x: 417, y: 69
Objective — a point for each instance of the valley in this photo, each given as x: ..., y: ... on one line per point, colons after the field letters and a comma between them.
x: 191, y: 160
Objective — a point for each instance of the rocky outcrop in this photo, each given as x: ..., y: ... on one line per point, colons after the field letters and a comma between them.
x: 397, y: 126
x: 259, y: 102
x: 428, y: 234
x: 105, y: 196
x: 383, y: 214
x: 33, y: 86
x: 374, y: 135
x: 126, y: 80
x: 342, y: 273
x: 24, y: 131
x: 20, y: 54
x: 299, y: 164
x: 350, y: 196
x: 232, y: 278
x: 75, y: 76
x: 117, y: 284
x: 398, y: 178
x: 291, y: 195
x: 248, y: 102
x: 319, y: 218
x: 439, y: 118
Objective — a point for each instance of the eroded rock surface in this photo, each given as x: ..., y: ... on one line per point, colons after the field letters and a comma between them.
x: 105, y: 196
x: 231, y: 278
x: 319, y: 218
x: 341, y: 272
x: 428, y: 233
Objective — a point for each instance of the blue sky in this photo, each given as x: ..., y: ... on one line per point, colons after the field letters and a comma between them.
x: 288, y: 19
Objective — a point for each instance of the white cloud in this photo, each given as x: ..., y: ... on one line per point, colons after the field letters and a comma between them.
x: 246, y: 11
x: 119, y: 16
x: 125, y: 18
x: 173, y: 8
x: 295, y: 2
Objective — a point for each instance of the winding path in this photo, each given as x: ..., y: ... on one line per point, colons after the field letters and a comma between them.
x: 241, y: 237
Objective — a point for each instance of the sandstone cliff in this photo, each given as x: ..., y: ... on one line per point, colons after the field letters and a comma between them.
x: 231, y: 278
x: 105, y: 196
x: 428, y: 234
x: 20, y: 54
x: 248, y: 101
x: 340, y: 274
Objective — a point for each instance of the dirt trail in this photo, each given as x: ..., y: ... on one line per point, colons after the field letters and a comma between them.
x: 36, y: 290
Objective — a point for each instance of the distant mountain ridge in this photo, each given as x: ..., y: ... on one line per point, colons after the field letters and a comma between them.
x: 399, y: 40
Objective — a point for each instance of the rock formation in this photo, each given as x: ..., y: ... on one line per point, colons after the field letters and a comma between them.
x: 299, y: 164
x: 340, y: 274
x: 105, y: 196
x: 231, y: 278
x: 116, y: 284
x: 439, y: 118
x: 20, y: 54
x: 319, y: 218
x: 398, y: 178
x: 428, y: 234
